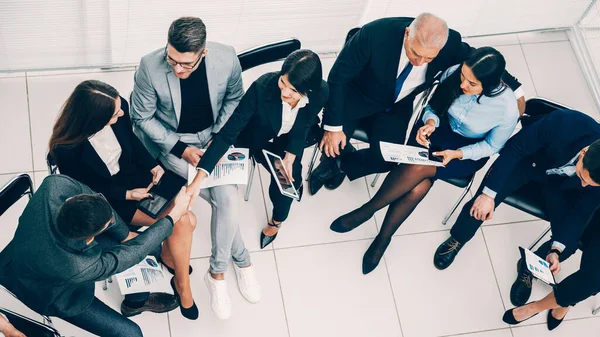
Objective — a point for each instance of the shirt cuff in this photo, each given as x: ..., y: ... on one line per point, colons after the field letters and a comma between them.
x: 333, y: 128
x: 519, y: 92
x: 467, y: 153
x: 200, y: 168
x: 558, y: 246
x: 489, y: 192
x: 168, y: 217
x: 178, y: 149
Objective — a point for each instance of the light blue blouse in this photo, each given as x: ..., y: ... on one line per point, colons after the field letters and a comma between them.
x: 493, y: 117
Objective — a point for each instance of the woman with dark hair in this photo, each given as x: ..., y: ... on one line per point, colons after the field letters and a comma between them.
x: 469, y: 118
x: 280, y: 106
x: 92, y: 142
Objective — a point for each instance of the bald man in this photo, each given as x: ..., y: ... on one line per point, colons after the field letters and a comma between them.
x: 373, y: 84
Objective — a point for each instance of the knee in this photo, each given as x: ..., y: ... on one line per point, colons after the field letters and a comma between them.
x: 189, y: 219
x: 417, y: 193
x: 227, y: 198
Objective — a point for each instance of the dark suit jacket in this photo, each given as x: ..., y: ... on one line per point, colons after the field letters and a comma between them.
x: 363, y: 78
x: 54, y: 275
x: 551, y: 142
x: 257, y: 119
x: 82, y: 162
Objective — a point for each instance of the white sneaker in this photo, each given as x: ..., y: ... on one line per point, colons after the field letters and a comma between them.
x: 248, y: 283
x: 220, y: 302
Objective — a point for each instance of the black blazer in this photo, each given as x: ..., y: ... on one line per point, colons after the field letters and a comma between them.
x: 363, y: 78
x: 55, y: 275
x: 257, y: 119
x: 81, y: 162
x: 550, y: 143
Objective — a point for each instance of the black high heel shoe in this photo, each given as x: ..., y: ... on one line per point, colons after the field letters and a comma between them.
x: 171, y: 270
x: 509, y: 317
x: 265, y: 240
x: 552, y: 322
x: 373, y: 255
x: 190, y: 313
x: 338, y: 226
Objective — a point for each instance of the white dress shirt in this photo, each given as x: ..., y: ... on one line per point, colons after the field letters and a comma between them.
x: 108, y: 148
x: 289, y: 115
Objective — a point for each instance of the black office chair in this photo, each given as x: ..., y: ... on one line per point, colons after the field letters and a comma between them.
x: 11, y: 193
x: 257, y: 56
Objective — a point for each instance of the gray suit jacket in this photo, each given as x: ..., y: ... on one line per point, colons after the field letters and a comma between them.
x: 156, y: 97
x: 55, y: 275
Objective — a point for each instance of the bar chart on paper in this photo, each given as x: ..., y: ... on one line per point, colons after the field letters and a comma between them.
x: 231, y: 170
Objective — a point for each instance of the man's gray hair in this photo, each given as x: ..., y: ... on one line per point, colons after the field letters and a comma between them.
x: 187, y: 34
x: 430, y: 30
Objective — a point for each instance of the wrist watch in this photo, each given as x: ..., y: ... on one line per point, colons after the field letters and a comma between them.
x: 554, y: 250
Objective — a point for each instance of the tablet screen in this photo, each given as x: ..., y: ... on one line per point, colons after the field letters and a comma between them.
x: 284, y: 182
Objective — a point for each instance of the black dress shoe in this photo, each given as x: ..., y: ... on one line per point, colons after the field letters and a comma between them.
x: 553, y: 322
x: 336, y: 181
x: 265, y: 240
x: 509, y: 317
x: 171, y: 270
x: 156, y: 302
x: 190, y: 313
x: 521, y: 288
x: 446, y: 252
x: 374, y: 254
x: 326, y: 170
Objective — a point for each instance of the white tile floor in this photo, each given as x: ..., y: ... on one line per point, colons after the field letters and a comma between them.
x: 311, y: 277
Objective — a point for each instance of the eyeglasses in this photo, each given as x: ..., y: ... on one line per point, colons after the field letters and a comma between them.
x: 185, y: 65
x: 112, y: 220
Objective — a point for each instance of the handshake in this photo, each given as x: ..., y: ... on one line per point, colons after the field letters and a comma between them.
x: 185, y: 198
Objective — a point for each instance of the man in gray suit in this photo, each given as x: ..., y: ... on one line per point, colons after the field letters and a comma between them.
x: 183, y: 95
x: 68, y: 238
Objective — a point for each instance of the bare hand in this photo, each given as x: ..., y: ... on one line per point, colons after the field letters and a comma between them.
x: 192, y: 155
x: 288, y: 163
x: 157, y: 173
x: 521, y: 105
x: 331, y: 143
x: 11, y: 331
x: 448, y: 155
x: 552, y: 259
x: 138, y: 194
x: 181, y: 205
x: 132, y: 235
x: 424, y: 132
x: 483, y: 207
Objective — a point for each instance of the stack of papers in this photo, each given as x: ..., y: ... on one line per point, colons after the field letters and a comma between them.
x: 405, y: 154
x: 140, y: 277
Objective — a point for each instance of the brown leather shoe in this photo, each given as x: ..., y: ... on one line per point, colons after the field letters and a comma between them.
x: 156, y: 302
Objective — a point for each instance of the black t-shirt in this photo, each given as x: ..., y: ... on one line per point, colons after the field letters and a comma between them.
x: 196, y: 110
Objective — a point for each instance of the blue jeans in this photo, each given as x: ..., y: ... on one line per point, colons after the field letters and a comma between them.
x: 101, y: 320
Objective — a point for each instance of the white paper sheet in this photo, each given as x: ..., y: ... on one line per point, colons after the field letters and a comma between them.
x: 405, y: 154
x: 140, y: 277
x: 231, y: 170
x: 538, y: 267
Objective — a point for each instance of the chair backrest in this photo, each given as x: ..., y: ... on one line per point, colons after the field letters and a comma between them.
x: 52, y: 167
x: 268, y: 53
x: 536, y: 107
x: 16, y: 188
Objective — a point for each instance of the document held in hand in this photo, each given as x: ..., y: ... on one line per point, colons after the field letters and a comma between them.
x: 538, y: 267
x: 405, y: 154
x: 141, y: 277
x: 231, y: 170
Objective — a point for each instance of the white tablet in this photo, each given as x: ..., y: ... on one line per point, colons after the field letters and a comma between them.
x: 283, y: 180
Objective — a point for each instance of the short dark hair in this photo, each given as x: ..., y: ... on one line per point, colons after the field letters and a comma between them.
x: 83, y: 216
x: 187, y: 34
x: 304, y: 70
x: 591, y: 161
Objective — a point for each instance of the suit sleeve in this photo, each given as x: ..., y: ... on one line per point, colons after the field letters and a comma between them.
x: 298, y: 133
x: 568, y: 229
x: 143, y: 110
x: 72, y: 165
x: 526, y: 142
x: 352, y: 59
x: 140, y: 154
x: 463, y: 52
x: 124, y: 256
x: 229, y: 133
x: 233, y: 94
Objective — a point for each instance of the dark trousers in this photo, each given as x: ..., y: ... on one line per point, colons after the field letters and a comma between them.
x: 554, y: 201
x: 586, y: 281
x: 389, y: 127
x: 101, y: 320
x: 281, y: 203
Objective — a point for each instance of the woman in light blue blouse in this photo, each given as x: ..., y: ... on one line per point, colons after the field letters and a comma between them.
x: 470, y: 117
